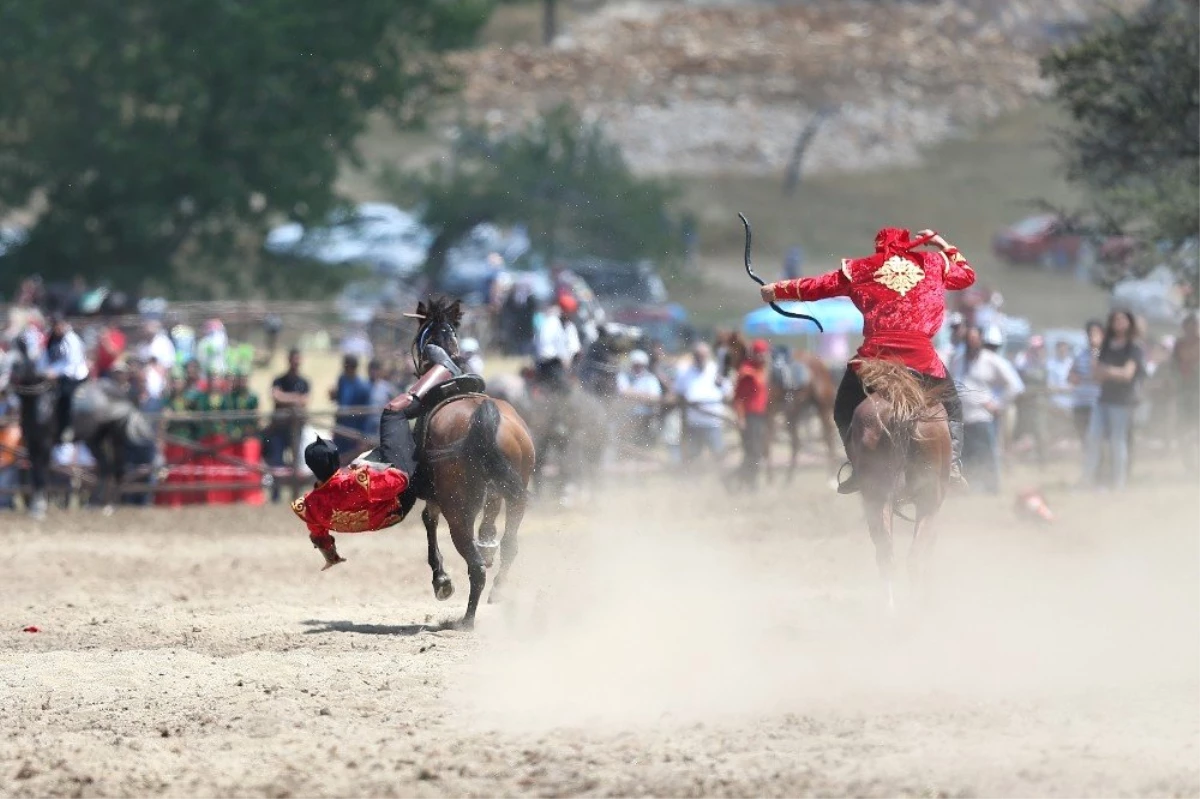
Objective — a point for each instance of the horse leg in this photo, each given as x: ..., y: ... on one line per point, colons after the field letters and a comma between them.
x: 462, y: 532
x: 514, y: 512
x: 920, y: 555
x: 828, y: 432
x: 443, y: 588
x: 879, y: 521
x: 487, y: 542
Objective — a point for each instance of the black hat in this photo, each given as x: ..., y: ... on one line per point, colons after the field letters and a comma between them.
x: 321, y: 457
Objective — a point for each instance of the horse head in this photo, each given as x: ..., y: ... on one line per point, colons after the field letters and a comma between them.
x: 439, y: 320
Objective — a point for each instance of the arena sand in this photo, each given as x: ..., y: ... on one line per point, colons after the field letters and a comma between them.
x: 668, y: 640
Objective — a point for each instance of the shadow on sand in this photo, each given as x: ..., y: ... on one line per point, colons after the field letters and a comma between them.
x: 318, y: 626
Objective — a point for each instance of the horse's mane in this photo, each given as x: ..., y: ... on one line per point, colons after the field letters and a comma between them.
x: 909, y: 401
x: 440, y: 310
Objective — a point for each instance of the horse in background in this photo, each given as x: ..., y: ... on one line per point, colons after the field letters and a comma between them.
x: 798, y: 387
x: 900, y: 449
x: 104, y: 417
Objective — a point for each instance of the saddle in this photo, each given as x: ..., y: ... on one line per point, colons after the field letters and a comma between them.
x: 455, y: 386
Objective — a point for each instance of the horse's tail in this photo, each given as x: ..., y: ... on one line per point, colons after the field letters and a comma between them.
x: 483, y: 453
x: 909, y: 400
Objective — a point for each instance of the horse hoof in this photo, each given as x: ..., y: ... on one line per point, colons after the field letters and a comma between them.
x: 465, y: 625
x: 443, y: 590
x: 107, y: 511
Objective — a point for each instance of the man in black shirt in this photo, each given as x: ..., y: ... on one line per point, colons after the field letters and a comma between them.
x: 290, y: 393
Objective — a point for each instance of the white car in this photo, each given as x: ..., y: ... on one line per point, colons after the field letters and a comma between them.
x: 1157, y: 297
x: 389, y: 238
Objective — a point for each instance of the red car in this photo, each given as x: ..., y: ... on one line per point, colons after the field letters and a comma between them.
x: 1043, y: 240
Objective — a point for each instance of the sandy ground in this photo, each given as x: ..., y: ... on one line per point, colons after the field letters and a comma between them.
x: 669, y: 641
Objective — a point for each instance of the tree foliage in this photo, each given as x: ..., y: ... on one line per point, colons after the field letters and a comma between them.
x: 148, y: 131
x: 561, y: 177
x: 1132, y: 88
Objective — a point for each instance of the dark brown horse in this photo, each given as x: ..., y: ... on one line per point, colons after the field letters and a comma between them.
x: 792, y: 407
x: 900, y: 449
x: 477, y: 456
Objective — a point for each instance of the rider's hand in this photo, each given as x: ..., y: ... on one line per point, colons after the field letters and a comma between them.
x: 768, y: 292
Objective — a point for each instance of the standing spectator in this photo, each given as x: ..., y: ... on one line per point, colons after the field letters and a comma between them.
x: 552, y: 348
x: 1033, y: 367
x: 381, y: 392
x: 158, y: 347
x: 211, y: 348
x: 1058, y: 377
x: 642, y: 392
x: 472, y: 359
x: 988, y: 384
x: 1118, y: 367
x: 110, y: 346
x: 64, y: 360
x: 1087, y: 389
x: 700, y: 390
x: 290, y: 395
x: 750, y: 404
x: 1185, y: 372
x: 351, y: 391
x: 240, y: 398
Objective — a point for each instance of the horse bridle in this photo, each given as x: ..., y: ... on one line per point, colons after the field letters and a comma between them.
x: 423, y: 335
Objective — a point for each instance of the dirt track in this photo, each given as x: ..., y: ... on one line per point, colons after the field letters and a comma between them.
x: 674, y: 645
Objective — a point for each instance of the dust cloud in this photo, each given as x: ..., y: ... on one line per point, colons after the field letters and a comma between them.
x: 682, y: 609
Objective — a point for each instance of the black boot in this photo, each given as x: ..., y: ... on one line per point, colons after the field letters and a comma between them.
x: 956, y: 443
x: 435, y: 354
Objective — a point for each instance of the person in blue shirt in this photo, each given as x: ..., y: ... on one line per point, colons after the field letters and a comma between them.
x: 351, y: 391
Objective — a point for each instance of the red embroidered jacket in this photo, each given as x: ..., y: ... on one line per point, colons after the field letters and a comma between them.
x: 356, y: 499
x: 902, y: 299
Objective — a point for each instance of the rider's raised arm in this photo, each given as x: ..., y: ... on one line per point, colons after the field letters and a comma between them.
x: 830, y: 284
x: 959, y: 274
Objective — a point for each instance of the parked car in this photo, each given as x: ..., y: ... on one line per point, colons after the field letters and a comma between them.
x: 1157, y: 297
x: 1044, y: 240
x: 392, y: 240
x: 666, y: 324
x: 618, y: 283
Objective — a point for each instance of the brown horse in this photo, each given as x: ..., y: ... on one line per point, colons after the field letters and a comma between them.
x: 792, y: 406
x: 900, y: 449
x: 477, y: 455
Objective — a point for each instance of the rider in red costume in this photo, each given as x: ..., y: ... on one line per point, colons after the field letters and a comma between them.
x: 902, y: 295
x: 372, y: 493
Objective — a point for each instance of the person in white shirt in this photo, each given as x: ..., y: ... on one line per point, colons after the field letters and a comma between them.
x: 555, y: 345
x: 64, y: 360
x: 643, y: 395
x: 158, y: 347
x: 702, y: 393
x: 468, y: 349
x: 211, y: 348
x: 988, y: 384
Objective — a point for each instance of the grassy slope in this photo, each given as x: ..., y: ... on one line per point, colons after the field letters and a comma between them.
x: 966, y: 189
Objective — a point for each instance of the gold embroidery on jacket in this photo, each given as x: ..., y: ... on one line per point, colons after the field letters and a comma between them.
x: 299, y: 508
x: 363, y: 476
x: 350, y: 521
x: 899, y: 274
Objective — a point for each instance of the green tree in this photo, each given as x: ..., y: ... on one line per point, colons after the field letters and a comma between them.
x: 1132, y: 88
x: 561, y: 177
x: 152, y: 132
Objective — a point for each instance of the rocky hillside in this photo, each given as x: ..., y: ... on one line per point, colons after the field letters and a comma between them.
x: 691, y: 88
